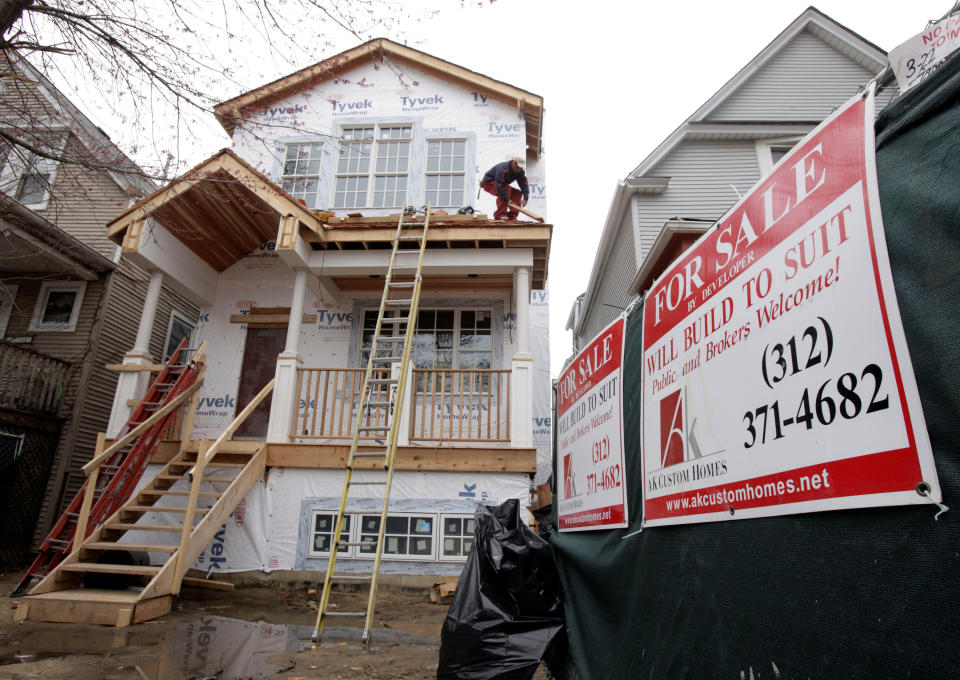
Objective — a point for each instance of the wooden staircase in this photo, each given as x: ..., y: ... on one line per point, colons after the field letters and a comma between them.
x: 69, y: 593
x: 181, y: 508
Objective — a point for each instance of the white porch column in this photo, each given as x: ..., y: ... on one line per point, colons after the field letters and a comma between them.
x: 132, y: 385
x: 523, y: 311
x: 283, y: 404
x: 521, y: 399
x: 149, y: 313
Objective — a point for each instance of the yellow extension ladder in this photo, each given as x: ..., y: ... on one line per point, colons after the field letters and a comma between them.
x: 385, y: 393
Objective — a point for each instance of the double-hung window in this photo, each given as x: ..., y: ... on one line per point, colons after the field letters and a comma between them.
x: 27, y: 176
x: 446, y: 168
x: 58, y: 306
x: 373, y: 166
x: 301, y: 171
x: 178, y: 328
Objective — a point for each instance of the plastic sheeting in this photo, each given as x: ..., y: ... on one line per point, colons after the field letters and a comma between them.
x: 508, y: 606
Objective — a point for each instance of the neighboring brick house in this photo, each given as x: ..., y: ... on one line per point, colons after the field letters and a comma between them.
x: 68, y: 304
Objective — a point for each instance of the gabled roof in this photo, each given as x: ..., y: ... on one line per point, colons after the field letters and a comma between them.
x: 838, y: 36
x: 232, y: 112
x: 109, y: 158
x: 222, y: 209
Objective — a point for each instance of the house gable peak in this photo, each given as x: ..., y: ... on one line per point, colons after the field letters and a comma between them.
x: 232, y: 112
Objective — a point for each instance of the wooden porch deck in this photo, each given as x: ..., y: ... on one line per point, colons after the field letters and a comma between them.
x: 333, y: 456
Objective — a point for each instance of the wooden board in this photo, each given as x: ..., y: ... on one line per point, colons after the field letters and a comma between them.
x: 445, y: 458
x: 334, y: 455
x: 207, y: 583
x: 92, y: 606
x: 526, y: 212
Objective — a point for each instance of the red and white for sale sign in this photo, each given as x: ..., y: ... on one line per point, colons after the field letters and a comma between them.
x: 776, y: 376
x: 591, y: 491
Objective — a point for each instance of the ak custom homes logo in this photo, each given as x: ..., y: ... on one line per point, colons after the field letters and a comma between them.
x: 569, y: 487
x: 672, y: 441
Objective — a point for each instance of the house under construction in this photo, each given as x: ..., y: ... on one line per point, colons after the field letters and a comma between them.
x: 343, y: 214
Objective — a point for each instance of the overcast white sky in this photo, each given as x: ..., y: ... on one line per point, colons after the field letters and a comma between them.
x: 616, y: 78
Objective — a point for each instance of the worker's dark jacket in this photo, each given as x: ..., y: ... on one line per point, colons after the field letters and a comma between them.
x: 501, y: 175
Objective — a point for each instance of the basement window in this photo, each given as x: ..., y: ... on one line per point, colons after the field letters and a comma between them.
x: 301, y: 171
x: 457, y: 539
x: 58, y: 306
x: 405, y: 536
x: 322, y: 527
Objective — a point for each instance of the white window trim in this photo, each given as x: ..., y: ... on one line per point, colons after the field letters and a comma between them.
x: 16, y: 166
x: 8, y: 296
x: 177, y: 316
x: 372, y: 173
x: 441, y: 535
x: 463, y: 173
x: 347, y: 536
x: 45, y: 289
x: 355, y: 536
x: 284, y: 147
x: 764, y: 150
x: 390, y: 556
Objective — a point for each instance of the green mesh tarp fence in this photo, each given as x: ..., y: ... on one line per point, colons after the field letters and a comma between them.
x: 858, y: 594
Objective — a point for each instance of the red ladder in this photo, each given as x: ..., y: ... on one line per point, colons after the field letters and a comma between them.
x: 120, y: 473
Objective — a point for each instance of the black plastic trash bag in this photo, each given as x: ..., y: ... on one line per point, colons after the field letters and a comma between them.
x: 508, y: 605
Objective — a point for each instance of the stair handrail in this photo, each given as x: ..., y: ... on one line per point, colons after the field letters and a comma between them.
x: 92, y: 468
x: 204, y: 455
x: 139, y: 429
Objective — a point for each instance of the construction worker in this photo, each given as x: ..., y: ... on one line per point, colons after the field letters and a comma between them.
x: 497, y: 182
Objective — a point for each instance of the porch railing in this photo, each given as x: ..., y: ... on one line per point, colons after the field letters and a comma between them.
x: 327, y: 400
x: 461, y: 405
x: 450, y: 405
x: 31, y: 381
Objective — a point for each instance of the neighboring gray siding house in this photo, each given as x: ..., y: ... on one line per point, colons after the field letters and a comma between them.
x: 66, y: 299
x: 718, y: 153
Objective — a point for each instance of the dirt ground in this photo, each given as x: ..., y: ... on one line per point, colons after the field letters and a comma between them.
x: 252, y: 632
